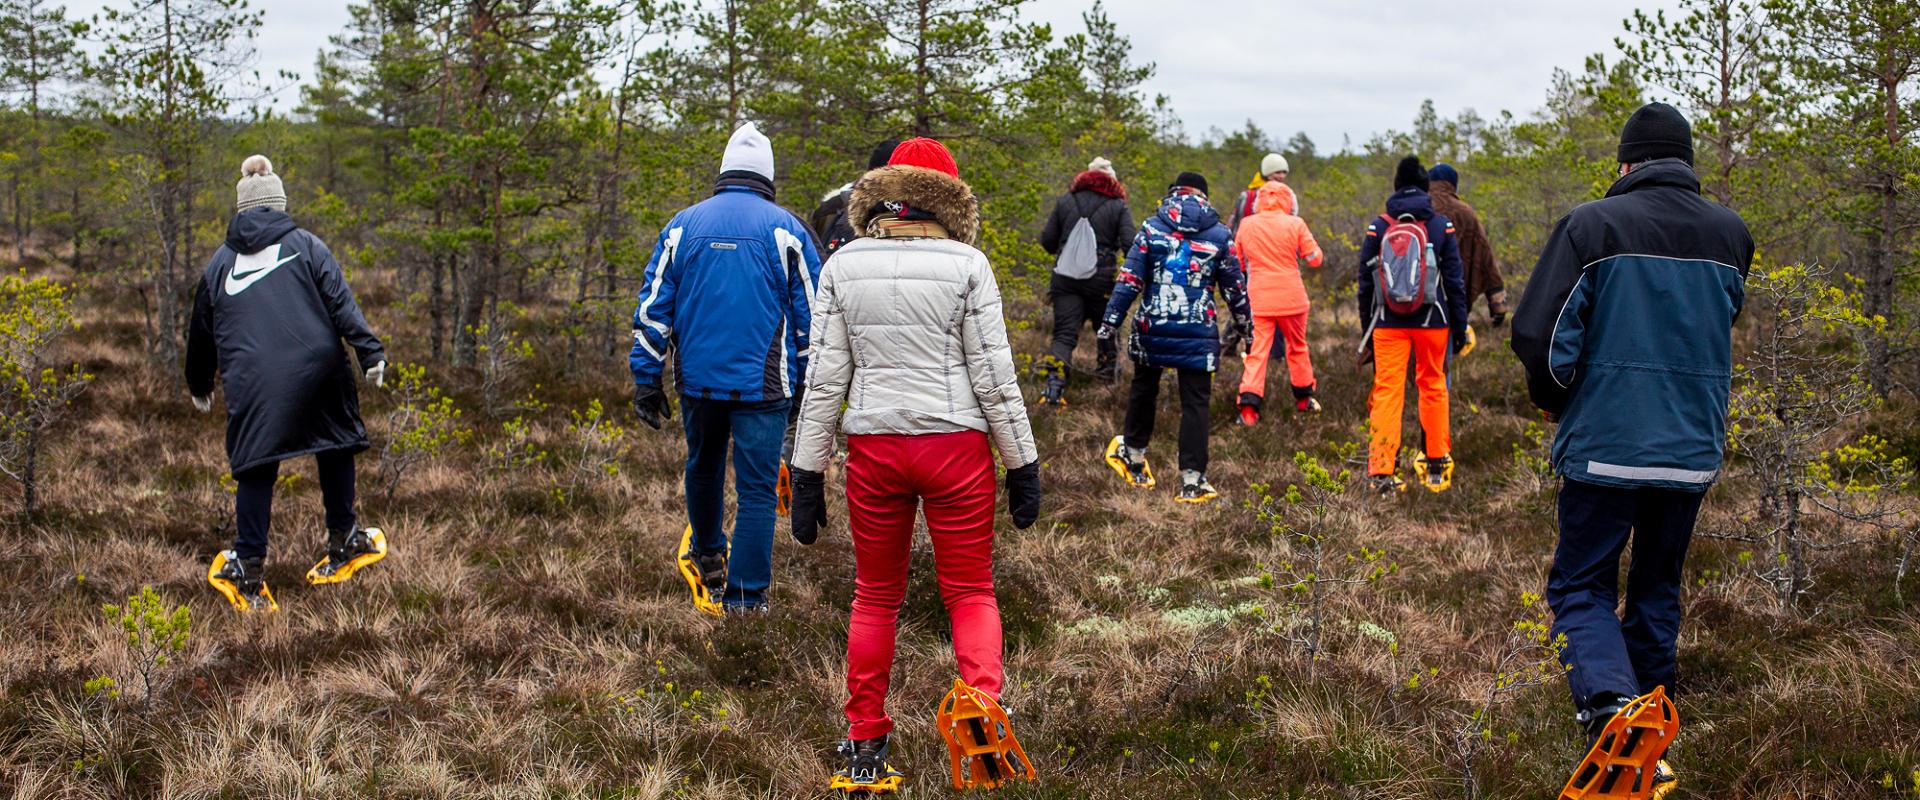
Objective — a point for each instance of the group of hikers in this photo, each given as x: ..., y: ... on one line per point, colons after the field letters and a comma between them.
x: 882, y: 321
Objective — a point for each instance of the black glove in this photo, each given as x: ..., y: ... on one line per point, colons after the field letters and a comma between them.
x: 651, y: 404
x: 1462, y: 340
x: 1023, y: 495
x: 809, y: 504
x: 1244, y: 333
x: 1104, y: 332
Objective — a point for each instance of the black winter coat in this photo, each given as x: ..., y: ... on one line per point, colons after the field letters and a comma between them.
x: 268, y: 317
x: 1102, y: 200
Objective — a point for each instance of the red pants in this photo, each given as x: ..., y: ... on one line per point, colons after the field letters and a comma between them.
x: 950, y: 475
x: 1391, y: 349
x: 1299, y: 358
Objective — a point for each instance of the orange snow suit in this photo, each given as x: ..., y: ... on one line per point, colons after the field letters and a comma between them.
x: 1272, y: 244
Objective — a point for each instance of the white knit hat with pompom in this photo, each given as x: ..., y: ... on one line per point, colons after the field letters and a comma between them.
x: 259, y: 187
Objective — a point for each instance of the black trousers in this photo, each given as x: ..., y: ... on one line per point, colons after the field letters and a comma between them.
x: 253, y: 500
x: 1626, y: 654
x: 1196, y: 393
x: 1078, y: 303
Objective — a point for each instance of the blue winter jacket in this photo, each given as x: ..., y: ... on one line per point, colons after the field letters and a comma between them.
x: 1449, y: 310
x: 1180, y: 257
x: 1626, y: 331
x: 728, y: 291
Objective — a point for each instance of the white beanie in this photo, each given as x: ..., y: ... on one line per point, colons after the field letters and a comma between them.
x: 748, y: 151
x: 1101, y: 164
x: 258, y: 186
x: 1274, y: 162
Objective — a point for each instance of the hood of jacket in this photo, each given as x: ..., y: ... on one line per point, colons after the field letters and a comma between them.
x: 910, y: 192
x: 1410, y: 201
x: 255, y: 228
x: 1187, y: 212
x: 1099, y: 183
x: 1671, y: 173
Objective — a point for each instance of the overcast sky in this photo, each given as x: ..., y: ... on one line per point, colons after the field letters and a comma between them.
x: 1331, y: 69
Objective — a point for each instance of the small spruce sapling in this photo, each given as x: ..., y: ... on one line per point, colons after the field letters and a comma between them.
x: 423, y: 422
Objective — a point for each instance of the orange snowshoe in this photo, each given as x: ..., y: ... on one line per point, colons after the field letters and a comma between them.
x: 1624, y: 761
x: 980, y: 743
x: 783, y: 492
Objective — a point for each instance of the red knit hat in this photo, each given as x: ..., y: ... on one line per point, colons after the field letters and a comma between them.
x: 926, y: 153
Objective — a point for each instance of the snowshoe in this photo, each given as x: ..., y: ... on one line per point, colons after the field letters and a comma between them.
x: 1435, y: 473
x: 706, y: 575
x: 1385, y: 485
x: 241, y: 582
x: 867, y: 772
x: 1624, y: 761
x: 347, y: 554
x: 1249, y: 416
x: 1307, y: 405
x: 1664, y: 780
x: 783, y: 492
x: 981, y: 747
x: 1134, y: 471
x: 1194, y: 488
x: 1055, y: 392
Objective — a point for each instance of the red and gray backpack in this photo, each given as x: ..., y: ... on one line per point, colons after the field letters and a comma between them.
x: 1406, y: 274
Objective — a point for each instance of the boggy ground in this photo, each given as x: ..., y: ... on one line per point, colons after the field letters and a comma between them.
x: 530, y: 638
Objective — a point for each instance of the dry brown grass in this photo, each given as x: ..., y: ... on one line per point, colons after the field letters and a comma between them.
x: 520, y: 644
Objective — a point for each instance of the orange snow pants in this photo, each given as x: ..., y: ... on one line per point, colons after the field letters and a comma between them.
x: 1392, y: 347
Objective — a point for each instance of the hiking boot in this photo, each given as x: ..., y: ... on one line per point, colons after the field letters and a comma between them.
x: 1385, y: 485
x: 1249, y: 416
x: 348, y: 552
x: 243, y: 583
x: 1130, y: 463
x: 1055, y: 394
x: 713, y: 572
x: 1194, y: 488
x: 867, y: 769
x: 1435, y: 473
x: 1307, y: 405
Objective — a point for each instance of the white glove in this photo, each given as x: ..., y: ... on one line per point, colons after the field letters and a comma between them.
x: 377, y: 374
x: 203, y: 404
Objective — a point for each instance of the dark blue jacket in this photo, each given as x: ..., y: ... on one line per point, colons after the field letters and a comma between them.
x: 729, y: 291
x: 269, y: 318
x: 1626, y: 331
x: 1449, y: 310
x: 1180, y: 257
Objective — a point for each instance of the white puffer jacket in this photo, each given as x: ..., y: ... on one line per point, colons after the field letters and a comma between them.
x: 908, y: 332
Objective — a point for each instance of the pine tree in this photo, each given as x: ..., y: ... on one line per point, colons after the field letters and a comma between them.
x: 38, y: 46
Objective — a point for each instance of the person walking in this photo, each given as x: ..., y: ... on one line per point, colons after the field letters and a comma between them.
x: 829, y: 219
x: 270, y: 315
x: 1089, y: 226
x: 1273, y: 243
x: 1625, y: 330
x: 728, y: 293
x: 1413, y: 296
x: 1476, y: 253
x: 1273, y: 169
x: 1180, y: 258
x: 911, y: 361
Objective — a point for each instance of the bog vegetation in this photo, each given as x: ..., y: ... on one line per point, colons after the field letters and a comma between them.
x: 492, y: 173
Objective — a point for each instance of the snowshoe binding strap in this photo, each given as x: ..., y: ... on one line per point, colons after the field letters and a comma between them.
x: 703, y: 600
x: 867, y: 773
x: 981, y: 747
x: 783, y: 492
x: 363, y: 547
x: 1435, y: 474
x: 1141, y: 478
x: 223, y: 580
x: 1625, y: 757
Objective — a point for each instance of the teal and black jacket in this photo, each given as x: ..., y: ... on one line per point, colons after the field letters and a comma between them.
x: 1626, y: 331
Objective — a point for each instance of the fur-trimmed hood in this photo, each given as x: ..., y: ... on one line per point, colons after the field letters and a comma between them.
x: 1099, y: 183
x: 899, y: 190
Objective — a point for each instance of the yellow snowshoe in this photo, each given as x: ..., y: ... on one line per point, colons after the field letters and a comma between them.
x: 1136, y: 473
x: 868, y: 773
x: 703, y: 593
x: 352, y: 553
x: 241, y: 583
x: 1435, y: 474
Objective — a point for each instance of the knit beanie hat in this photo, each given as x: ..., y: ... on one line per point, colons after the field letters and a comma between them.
x: 881, y: 153
x: 1656, y: 130
x: 925, y: 153
x: 1101, y: 164
x: 259, y: 187
x: 748, y: 151
x: 1410, y: 173
x: 1274, y: 162
x: 1443, y: 172
x: 1190, y: 180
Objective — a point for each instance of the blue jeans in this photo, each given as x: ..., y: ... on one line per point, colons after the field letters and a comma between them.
x: 1631, y: 654
x: 756, y: 431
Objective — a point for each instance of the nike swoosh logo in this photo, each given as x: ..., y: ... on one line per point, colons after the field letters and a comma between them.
x: 249, y: 268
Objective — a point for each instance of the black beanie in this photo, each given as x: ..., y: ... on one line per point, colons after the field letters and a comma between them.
x: 1657, y: 130
x: 882, y: 153
x: 1190, y: 180
x: 1410, y: 173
